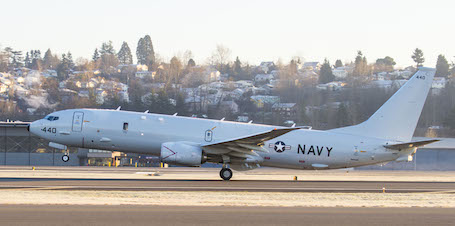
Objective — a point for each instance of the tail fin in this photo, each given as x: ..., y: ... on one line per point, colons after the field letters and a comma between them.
x: 398, y: 117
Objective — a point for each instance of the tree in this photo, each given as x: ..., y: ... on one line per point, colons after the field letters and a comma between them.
x: 191, y: 63
x: 124, y: 55
x: 237, y: 68
x: 50, y: 61
x: 63, y: 68
x: 442, y: 66
x: 220, y: 56
x: 342, y: 116
x: 144, y: 52
x: 69, y: 56
x: 417, y: 56
x: 108, y: 58
x: 107, y: 48
x: 96, y: 55
x: 326, y: 75
x: 338, y: 63
x: 361, y: 65
x: 385, y: 64
x: 175, y: 69
x: 450, y: 119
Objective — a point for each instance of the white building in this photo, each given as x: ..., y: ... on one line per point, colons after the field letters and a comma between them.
x: 264, y: 77
x: 340, y: 72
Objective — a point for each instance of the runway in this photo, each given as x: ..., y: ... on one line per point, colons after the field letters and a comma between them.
x: 196, y: 215
x: 225, y: 186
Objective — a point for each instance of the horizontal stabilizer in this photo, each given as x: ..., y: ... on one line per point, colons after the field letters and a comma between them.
x: 409, y: 144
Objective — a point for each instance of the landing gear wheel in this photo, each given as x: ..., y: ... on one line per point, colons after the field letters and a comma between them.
x: 226, y: 173
x: 65, y: 158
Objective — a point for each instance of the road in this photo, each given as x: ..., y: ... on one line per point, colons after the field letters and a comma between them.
x: 218, y: 185
x: 37, y: 215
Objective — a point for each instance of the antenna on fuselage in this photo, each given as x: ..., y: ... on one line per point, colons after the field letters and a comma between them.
x: 146, y: 111
x: 293, y: 125
x: 175, y: 114
x: 250, y: 122
x: 222, y: 119
x: 118, y: 109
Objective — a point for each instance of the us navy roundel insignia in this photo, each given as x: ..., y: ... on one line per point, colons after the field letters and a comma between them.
x: 280, y: 146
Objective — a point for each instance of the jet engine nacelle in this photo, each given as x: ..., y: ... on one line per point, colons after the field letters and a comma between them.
x: 182, y: 153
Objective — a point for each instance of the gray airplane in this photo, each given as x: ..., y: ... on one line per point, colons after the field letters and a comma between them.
x: 385, y: 136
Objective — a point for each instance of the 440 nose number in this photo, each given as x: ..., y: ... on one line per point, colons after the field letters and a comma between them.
x: 49, y: 130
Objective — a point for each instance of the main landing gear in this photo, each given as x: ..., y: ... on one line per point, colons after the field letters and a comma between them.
x: 226, y: 173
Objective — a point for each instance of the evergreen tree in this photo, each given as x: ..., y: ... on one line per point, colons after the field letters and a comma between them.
x: 450, y: 119
x: 237, y: 68
x: 191, y: 63
x: 50, y: 61
x: 144, y: 52
x: 417, y: 56
x: 442, y: 66
x: 342, y: 116
x: 96, y: 55
x: 338, y: 63
x: 69, y: 57
x: 124, y: 55
x: 107, y: 48
x: 37, y: 62
x: 326, y: 75
x: 361, y: 65
x: 27, y: 60
x: 63, y: 68
x: 108, y: 58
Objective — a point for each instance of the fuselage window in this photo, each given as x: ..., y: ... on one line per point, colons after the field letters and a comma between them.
x: 125, y: 126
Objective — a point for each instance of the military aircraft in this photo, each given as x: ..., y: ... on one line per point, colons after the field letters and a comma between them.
x: 385, y: 136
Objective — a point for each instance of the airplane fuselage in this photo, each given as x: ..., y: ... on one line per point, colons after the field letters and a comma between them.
x: 145, y: 133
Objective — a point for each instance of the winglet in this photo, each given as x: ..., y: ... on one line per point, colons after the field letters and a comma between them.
x: 118, y: 109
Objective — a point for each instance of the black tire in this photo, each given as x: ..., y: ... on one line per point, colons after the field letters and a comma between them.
x: 226, y: 173
x: 65, y: 158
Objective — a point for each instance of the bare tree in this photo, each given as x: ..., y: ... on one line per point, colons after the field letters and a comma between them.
x: 220, y: 56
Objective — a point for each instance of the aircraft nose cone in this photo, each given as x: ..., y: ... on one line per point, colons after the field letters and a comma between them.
x: 33, y: 127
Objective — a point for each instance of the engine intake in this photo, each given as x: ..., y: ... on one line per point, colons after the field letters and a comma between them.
x: 182, y: 153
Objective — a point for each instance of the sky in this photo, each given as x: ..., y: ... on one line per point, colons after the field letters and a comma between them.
x: 253, y: 30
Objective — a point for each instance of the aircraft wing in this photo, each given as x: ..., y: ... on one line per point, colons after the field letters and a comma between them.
x: 410, y: 144
x: 246, y: 146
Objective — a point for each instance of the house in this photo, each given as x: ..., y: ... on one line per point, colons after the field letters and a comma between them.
x: 439, y: 83
x: 340, y: 72
x: 314, y: 66
x: 266, y: 66
x: 145, y: 74
x: 331, y: 86
x: 285, y: 109
x: 230, y: 106
x: 264, y: 77
x: 261, y: 100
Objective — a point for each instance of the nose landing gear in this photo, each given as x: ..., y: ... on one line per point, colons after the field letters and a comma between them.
x: 65, y: 158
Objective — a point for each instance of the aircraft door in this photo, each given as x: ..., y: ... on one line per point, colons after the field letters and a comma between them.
x: 78, y: 119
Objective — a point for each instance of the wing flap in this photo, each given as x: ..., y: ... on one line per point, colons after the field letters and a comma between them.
x: 248, y: 145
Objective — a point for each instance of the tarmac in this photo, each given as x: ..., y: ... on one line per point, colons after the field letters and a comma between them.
x: 195, y: 196
x: 109, y: 184
x: 37, y: 215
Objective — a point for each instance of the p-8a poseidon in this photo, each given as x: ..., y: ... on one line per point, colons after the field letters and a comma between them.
x: 385, y: 136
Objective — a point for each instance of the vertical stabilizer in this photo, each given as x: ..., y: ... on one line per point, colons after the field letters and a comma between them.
x: 398, y: 117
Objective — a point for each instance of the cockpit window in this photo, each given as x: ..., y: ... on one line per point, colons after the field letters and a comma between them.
x: 51, y: 118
